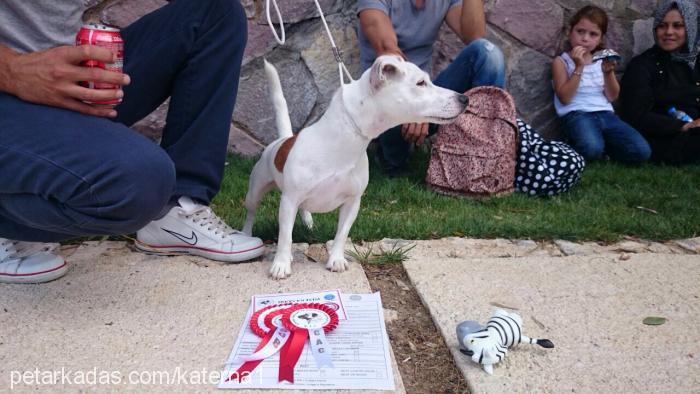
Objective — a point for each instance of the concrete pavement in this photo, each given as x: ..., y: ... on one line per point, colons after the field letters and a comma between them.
x: 590, y: 304
x: 117, y: 310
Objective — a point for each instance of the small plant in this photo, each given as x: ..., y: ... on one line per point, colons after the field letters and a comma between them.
x: 397, y: 254
x: 362, y: 257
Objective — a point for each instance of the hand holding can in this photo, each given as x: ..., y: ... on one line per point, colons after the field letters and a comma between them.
x: 107, y: 37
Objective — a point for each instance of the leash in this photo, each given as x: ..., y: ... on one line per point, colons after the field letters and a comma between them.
x: 342, y: 70
x: 337, y: 54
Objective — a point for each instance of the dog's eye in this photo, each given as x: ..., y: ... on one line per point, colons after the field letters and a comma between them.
x: 421, y: 83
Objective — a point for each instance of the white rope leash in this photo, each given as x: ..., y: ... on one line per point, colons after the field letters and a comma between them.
x: 279, y: 17
x: 336, y: 52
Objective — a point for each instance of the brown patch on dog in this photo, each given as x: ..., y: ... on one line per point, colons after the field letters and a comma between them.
x: 283, y: 152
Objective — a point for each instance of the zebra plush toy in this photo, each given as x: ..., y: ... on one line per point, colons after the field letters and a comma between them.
x: 489, y: 345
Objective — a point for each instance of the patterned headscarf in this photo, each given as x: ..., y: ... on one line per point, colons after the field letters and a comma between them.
x: 689, y: 12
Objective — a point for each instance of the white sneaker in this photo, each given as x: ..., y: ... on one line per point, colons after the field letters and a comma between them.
x: 29, y: 262
x: 192, y: 228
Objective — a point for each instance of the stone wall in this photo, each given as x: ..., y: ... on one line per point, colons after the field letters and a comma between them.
x: 530, y: 33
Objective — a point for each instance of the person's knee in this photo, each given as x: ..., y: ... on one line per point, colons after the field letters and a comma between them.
x: 643, y: 150
x: 490, y: 58
x: 235, y: 21
x: 488, y: 51
x: 591, y: 152
x: 590, y: 149
x: 640, y: 152
x: 153, y: 181
x: 237, y: 16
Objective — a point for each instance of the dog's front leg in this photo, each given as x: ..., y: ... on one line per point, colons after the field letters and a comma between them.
x: 282, y: 265
x: 346, y: 217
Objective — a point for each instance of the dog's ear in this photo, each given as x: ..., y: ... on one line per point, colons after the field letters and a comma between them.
x: 385, y: 68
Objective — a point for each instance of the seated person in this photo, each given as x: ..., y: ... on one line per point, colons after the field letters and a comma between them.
x: 71, y: 169
x: 663, y: 77
x: 584, y: 91
x: 409, y: 29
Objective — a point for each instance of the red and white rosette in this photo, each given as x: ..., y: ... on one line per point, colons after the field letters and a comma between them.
x: 306, y: 320
x: 274, y: 337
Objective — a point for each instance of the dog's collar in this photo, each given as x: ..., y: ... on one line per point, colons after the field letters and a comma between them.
x: 355, y: 128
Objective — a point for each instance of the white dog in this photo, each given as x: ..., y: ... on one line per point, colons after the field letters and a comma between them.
x: 324, y: 166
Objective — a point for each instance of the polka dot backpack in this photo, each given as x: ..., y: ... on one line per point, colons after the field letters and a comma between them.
x: 488, y: 151
x: 545, y: 168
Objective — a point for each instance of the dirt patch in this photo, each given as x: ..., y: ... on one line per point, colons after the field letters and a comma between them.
x: 423, y: 358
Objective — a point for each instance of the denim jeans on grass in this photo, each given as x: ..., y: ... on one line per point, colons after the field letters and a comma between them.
x: 65, y: 174
x: 592, y: 134
x: 480, y: 63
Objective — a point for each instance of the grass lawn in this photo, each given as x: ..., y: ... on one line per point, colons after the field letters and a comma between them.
x: 650, y: 201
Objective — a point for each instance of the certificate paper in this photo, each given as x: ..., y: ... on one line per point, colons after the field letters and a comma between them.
x: 360, y: 351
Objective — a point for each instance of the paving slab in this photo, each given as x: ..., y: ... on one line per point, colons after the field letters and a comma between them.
x: 121, y: 311
x: 591, y: 307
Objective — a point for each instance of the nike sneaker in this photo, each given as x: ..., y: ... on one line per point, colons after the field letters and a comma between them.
x: 192, y: 228
x: 29, y: 262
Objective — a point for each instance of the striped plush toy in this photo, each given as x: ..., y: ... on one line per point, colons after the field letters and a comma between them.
x: 489, y: 345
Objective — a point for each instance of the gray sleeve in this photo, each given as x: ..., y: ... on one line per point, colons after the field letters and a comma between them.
x: 454, y: 3
x: 382, y: 5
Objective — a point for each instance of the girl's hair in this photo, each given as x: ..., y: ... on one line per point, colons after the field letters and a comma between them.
x: 594, y: 14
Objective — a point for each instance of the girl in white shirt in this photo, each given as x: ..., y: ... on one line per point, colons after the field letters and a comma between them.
x: 584, y: 90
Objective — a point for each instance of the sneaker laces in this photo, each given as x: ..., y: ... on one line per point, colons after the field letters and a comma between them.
x: 203, y: 216
x: 21, y: 249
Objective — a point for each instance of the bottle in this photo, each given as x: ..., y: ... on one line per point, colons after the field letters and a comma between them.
x: 680, y: 115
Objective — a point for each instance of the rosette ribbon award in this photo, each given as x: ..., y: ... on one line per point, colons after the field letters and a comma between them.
x: 306, y: 321
x: 265, y: 323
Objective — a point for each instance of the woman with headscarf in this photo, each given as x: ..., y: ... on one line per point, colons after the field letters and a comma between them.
x: 663, y: 78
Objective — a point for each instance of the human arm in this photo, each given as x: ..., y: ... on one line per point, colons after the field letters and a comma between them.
x: 638, y: 100
x: 565, y: 86
x: 379, y: 31
x: 51, y: 77
x: 611, y: 87
x: 691, y: 125
x: 467, y: 20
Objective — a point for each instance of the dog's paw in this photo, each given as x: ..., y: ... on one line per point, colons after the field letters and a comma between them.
x: 307, y: 219
x: 280, y: 269
x: 337, y: 264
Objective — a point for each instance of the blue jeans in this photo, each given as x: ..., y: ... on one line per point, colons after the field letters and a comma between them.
x: 480, y: 63
x: 65, y: 174
x: 594, y: 133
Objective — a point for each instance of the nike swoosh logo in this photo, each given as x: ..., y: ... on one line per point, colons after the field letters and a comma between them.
x: 191, y: 240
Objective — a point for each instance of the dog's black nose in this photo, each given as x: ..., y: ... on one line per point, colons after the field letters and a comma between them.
x: 463, y: 99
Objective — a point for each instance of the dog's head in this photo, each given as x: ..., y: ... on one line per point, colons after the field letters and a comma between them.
x: 409, y: 93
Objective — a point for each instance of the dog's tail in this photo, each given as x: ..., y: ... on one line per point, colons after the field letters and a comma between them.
x: 284, y: 125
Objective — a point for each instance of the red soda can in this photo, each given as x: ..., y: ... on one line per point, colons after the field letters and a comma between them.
x: 106, y: 37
